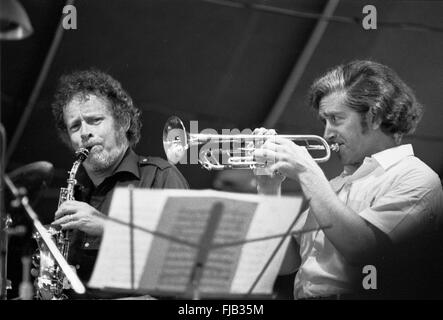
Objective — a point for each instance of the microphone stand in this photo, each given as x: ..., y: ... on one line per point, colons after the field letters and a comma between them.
x: 77, y: 285
x: 4, y: 283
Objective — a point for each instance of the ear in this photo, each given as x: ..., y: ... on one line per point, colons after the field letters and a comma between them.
x: 374, y: 120
x: 126, y: 124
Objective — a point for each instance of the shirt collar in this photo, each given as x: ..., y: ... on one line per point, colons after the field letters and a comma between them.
x: 129, y: 163
x: 391, y: 156
x: 383, y: 159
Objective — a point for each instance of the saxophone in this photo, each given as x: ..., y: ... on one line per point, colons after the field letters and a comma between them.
x: 50, y: 281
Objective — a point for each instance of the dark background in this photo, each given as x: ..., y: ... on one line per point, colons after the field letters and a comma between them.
x: 225, y: 66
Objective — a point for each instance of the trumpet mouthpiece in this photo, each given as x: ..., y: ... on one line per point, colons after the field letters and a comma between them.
x: 335, y: 147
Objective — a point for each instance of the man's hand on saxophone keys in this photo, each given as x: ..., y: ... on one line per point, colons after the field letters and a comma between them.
x: 79, y: 215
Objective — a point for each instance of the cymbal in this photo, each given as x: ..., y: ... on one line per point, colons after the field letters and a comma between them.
x: 34, y: 177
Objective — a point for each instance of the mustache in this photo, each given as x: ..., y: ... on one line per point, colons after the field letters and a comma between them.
x: 89, y: 144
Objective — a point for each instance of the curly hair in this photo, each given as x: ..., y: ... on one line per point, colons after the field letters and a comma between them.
x: 371, y: 88
x: 92, y: 81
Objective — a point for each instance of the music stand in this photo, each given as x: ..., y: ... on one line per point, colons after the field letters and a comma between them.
x: 149, y: 274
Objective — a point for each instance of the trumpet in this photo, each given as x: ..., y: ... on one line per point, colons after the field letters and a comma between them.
x: 236, y: 149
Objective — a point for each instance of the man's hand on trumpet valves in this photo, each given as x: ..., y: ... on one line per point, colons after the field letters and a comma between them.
x: 288, y: 158
x: 268, y: 181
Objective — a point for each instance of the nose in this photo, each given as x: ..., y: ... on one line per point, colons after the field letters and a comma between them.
x: 329, y: 133
x: 86, y: 132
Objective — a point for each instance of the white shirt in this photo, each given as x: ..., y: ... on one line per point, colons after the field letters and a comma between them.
x: 394, y: 191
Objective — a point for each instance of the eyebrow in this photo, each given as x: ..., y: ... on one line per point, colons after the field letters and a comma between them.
x: 325, y: 114
x: 72, y: 121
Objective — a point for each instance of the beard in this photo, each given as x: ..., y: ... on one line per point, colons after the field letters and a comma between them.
x: 100, y: 159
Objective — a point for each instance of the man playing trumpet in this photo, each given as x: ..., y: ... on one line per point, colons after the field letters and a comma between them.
x: 384, y: 196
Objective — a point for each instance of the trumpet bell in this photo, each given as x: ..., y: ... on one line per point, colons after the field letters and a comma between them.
x: 175, y: 139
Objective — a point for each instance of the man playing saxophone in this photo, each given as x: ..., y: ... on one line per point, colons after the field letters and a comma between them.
x: 384, y: 197
x: 93, y: 111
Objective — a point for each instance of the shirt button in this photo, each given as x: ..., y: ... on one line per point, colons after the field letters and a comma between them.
x: 86, y: 244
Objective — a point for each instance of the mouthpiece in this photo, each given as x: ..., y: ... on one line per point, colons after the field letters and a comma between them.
x: 82, y: 153
x: 335, y: 147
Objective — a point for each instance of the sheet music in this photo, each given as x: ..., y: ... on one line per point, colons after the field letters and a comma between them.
x: 113, y: 263
x: 257, y: 253
x: 164, y: 263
